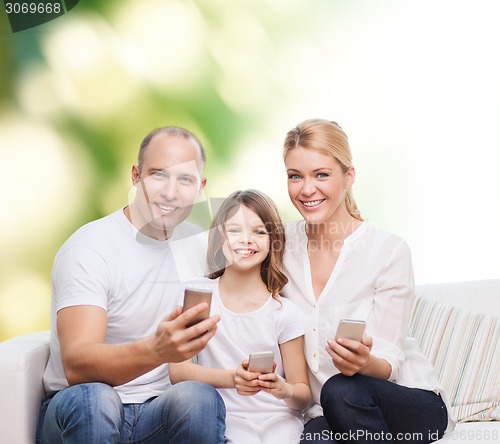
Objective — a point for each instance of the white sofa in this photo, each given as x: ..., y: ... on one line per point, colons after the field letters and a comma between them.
x: 458, y: 328
x: 23, y: 359
x: 22, y: 362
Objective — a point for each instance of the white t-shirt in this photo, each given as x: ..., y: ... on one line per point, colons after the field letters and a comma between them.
x: 238, y: 335
x: 372, y: 281
x: 109, y: 264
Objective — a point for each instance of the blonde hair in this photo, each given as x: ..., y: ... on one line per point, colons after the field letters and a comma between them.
x: 327, y: 137
x: 271, y: 270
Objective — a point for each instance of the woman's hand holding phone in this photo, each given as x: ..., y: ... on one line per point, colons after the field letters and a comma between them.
x: 350, y: 350
x: 350, y: 356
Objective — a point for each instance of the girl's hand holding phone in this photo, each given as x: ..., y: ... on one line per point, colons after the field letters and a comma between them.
x: 276, y: 386
x: 249, y: 383
x: 248, y: 374
x: 246, y: 383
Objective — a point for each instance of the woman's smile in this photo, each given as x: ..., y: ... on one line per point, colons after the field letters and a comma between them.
x: 312, y: 203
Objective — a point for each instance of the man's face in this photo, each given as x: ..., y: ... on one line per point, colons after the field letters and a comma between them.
x: 168, y: 184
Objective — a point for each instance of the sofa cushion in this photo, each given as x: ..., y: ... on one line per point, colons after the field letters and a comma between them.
x: 23, y: 360
x: 464, y: 348
x: 476, y: 296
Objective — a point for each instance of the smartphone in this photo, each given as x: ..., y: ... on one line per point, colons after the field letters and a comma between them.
x: 194, y: 296
x: 350, y: 329
x: 261, y: 362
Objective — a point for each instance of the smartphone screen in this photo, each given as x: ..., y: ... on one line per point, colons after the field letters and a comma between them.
x: 193, y: 297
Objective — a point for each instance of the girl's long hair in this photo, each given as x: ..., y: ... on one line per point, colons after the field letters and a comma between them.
x: 271, y: 270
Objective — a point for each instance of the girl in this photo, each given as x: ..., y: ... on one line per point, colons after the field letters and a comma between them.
x: 339, y: 266
x: 246, y: 245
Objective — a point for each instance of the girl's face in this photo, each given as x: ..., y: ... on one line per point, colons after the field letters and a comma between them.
x: 247, y: 240
x: 317, y: 185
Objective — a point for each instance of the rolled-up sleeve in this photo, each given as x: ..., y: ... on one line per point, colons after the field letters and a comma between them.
x: 393, y: 299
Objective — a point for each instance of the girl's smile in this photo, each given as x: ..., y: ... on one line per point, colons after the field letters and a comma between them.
x: 247, y: 240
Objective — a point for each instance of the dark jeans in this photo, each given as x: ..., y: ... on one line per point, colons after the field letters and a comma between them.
x: 362, y: 409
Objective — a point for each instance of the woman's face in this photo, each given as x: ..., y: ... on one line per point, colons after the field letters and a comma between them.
x: 317, y: 185
x: 247, y: 240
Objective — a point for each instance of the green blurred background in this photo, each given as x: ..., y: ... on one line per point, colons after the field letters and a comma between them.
x: 413, y: 83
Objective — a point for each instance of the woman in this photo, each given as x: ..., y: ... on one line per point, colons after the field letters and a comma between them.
x: 380, y: 388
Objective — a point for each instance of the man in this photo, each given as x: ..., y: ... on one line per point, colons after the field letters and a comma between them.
x: 115, y: 324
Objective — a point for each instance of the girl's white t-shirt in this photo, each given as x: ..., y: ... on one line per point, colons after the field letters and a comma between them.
x: 238, y: 335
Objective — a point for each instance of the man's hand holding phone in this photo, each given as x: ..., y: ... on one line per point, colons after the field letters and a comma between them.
x: 185, y: 332
x: 173, y: 342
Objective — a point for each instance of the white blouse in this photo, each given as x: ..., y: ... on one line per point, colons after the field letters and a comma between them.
x: 371, y: 281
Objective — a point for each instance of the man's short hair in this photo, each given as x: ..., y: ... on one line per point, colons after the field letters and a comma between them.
x: 173, y: 131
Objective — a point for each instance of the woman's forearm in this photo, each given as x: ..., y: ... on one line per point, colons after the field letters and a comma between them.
x: 377, y: 368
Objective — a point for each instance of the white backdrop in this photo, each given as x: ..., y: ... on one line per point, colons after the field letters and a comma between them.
x: 415, y: 84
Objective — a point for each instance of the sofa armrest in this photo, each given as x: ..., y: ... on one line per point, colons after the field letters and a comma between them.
x: 23, y: 360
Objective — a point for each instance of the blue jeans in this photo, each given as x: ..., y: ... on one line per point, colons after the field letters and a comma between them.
x: 369, y: 410
x: 188, y: 412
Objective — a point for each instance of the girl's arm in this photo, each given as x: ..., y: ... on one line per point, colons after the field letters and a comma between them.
x: 188, y: 371
x: 245, y: 382
x: 295, y: 389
